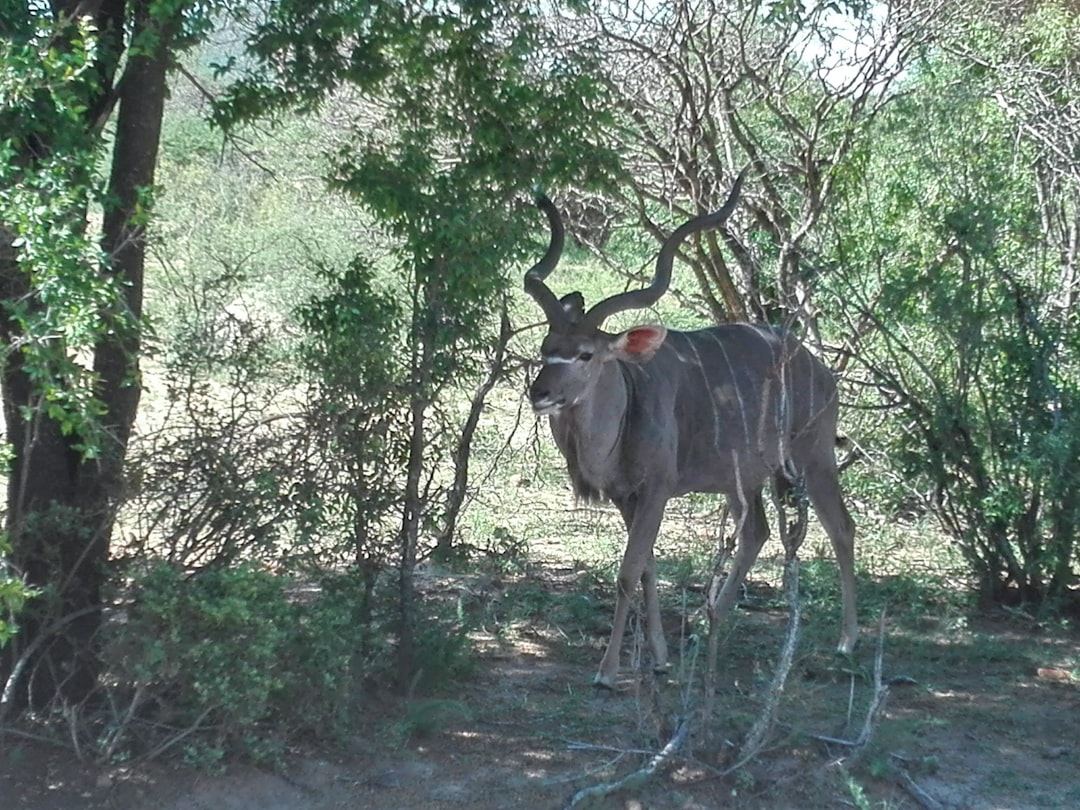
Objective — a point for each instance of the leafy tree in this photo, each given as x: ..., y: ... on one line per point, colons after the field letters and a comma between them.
x: 459, y: 109
x: 959, y: 326
x: 72, y: 298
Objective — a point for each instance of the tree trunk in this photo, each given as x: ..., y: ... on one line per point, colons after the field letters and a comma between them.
x: 455, y: 499
x: 61, y: 506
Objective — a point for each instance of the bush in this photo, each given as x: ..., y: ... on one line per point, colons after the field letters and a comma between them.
x: 335, y: 653
x: 206, y: 655
x: 13, y: 593
x: 991, y: 434
x: 238, y: 661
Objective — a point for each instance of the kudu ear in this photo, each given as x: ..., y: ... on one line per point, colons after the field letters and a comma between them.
x: 574, y: 306
x: 639, y: 344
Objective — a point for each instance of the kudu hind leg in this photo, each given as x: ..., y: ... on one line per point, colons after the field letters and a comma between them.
x: 752, y: 530
x: 654, y: 629
x: 823, y: 488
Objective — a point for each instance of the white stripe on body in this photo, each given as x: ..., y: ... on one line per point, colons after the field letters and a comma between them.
x: 735, y: 386
x: 709, y: 391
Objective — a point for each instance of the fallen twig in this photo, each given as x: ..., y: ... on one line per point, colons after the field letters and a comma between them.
x: 574, y: 745
x: 924, y: 799
x: 29, y: 735
x: 603, y: 766
x: 169, y: 743
x: 755, y: 739
x: 587, y: 797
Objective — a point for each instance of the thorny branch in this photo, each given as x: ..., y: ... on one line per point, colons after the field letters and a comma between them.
x: 873, y: 716
x: 877, y: 703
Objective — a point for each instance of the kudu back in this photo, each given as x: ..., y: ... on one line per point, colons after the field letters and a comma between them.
x: 649, y: 414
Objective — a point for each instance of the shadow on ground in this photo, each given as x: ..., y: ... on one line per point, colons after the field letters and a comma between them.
x: 984, y: 712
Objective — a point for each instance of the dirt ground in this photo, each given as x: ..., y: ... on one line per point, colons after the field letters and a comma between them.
x: 983, y: 714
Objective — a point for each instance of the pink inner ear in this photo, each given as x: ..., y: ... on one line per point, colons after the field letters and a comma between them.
x: 643, y: 340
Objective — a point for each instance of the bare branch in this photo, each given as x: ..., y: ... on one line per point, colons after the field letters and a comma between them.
x: 755, y: 739
x: 591, y: 795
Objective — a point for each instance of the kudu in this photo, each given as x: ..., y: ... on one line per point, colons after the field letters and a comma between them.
x: 651, y: 413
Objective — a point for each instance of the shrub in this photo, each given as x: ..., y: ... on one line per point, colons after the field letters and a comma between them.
x: 207, y: 654
x: 238, y: 661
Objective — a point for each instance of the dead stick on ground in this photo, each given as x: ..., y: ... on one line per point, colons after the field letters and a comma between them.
x: 755, y: 740
x: 873, y: 714
x: 924, y: 799
x: 881, y: 692
x: 877, y: 704
x: 588, y: 797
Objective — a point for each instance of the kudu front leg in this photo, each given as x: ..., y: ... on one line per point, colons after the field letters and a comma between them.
x: 638, y: 565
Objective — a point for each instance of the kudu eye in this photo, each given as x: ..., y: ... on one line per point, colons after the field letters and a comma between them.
x: 585, y: 357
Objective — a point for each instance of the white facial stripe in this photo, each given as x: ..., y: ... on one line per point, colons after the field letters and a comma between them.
x: 555, y: 360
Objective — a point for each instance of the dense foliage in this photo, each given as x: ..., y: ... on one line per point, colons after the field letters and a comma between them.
x: 958, y: 293
x: 457, y: 110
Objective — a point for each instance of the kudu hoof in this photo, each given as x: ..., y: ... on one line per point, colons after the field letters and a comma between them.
x: 846, y: 648
x: 602, y: 683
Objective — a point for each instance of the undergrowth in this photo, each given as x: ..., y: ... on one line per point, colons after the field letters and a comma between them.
x: 241, y: 662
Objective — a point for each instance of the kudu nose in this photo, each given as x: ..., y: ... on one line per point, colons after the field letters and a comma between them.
x: 538, y: 393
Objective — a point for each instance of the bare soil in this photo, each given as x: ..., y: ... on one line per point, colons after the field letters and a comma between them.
x: 983, y: 713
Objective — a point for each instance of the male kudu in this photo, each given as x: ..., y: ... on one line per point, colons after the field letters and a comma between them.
x: 651, y: 413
